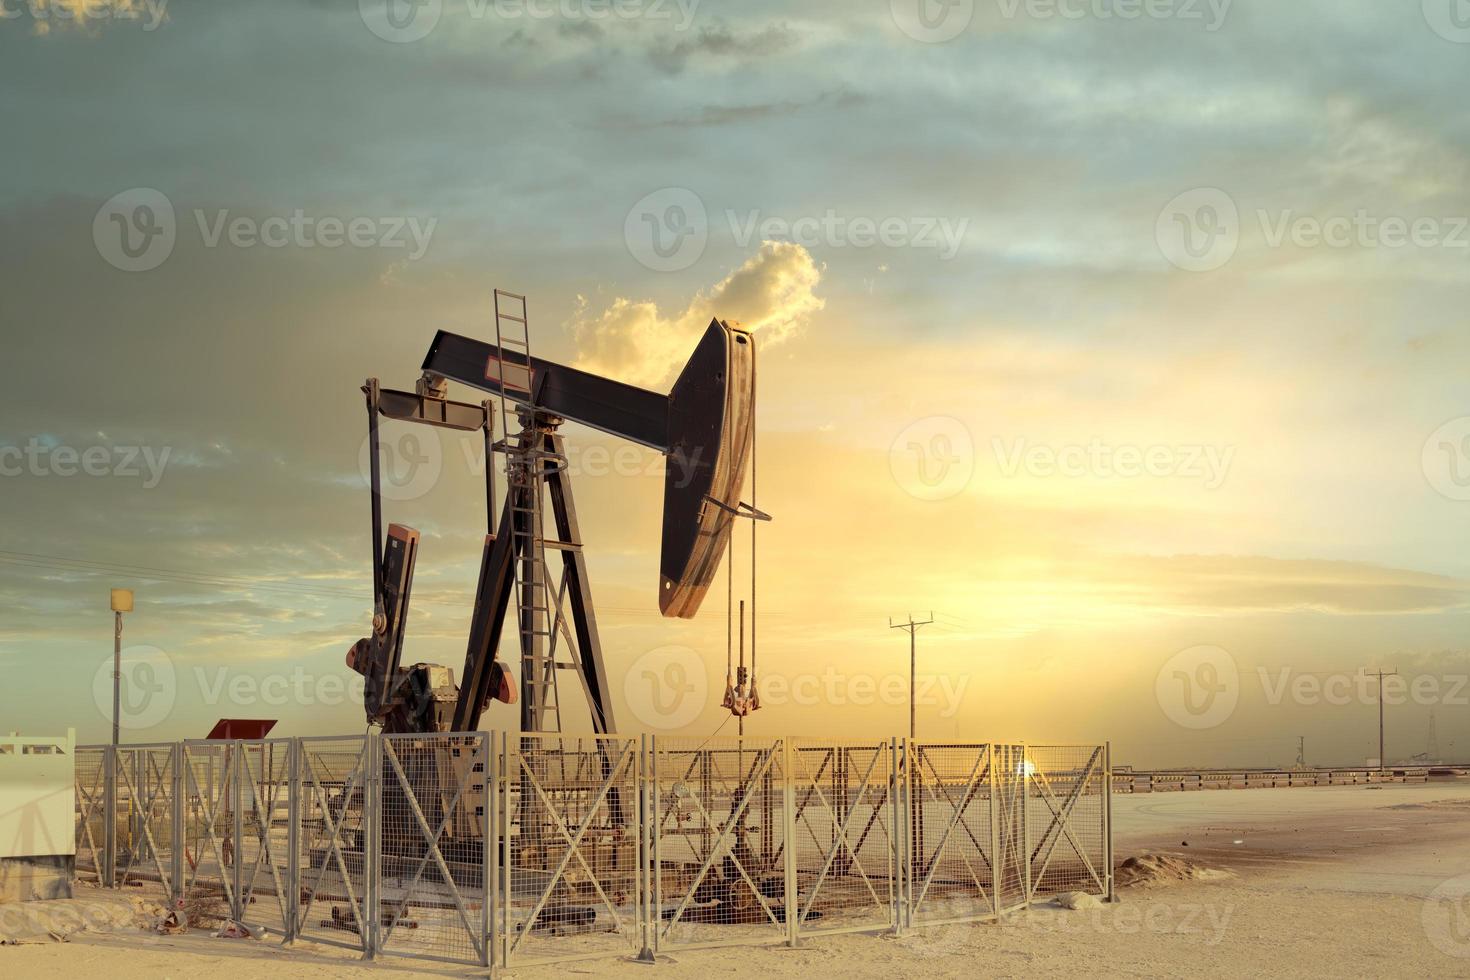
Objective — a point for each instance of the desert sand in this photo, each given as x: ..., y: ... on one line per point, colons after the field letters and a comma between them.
x: 1326, y: 882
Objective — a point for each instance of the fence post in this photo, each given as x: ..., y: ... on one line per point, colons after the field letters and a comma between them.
x: 655, y: 845
x: 1108, y: 817
x: 788, y: 820
x: 176, y: 825
x: 1028, y: 887
x: 490, y: 853
x: 293, y: 838
x: 644, y: 883
x: 237, y: 829
x: 896, y: 844
x: 372, y: 825
x: 996, y: 872
x: 109, y: 817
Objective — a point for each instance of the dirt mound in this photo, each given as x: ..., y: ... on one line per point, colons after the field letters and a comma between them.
x: 54, y: 921
x: 1157, y: 870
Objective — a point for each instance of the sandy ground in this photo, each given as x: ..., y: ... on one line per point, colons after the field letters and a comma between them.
x: 1330, y: 881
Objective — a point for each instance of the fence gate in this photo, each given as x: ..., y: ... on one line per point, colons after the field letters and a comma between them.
x: 264, y: 846
x: 570, y: 813
x: 209, y: 812
x: 843, y: 842
x: 1068, y: 835
x: 953, y: 833
x: 336, y: 788
x: 721, y: 821
x: 146, y: 786
x: 432, y: 846
x: 91, y: 808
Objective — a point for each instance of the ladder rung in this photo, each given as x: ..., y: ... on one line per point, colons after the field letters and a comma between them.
x: 512, y: 342
x: 507, y: 316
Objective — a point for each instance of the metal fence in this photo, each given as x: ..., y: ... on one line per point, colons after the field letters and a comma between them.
x: 509, y: 849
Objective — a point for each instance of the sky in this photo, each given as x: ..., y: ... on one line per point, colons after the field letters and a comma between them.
x: 1124, y: 340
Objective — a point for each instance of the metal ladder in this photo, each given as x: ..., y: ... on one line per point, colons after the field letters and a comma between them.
x: 526, y: 461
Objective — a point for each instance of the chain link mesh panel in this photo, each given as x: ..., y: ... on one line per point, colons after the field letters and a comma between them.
x: 332, y: 837
x: 264, y: 788
x: 209, y: 830
x: 91, y: 791
x: 951, y: 876
x: 843, y: 839
x: 431, y: 846
x: 571, y: 877
x: 720, y: 812
x: 1067, y: 826
x: 145, y: 779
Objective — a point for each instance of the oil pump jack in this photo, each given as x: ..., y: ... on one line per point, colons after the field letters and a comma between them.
x: 705, y: 429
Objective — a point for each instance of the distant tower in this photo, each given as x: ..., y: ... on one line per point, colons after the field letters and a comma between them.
x: 1301, y: 751
x: 1432, y: 748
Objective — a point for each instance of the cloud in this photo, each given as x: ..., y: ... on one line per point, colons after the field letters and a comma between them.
x: 719, y: 41
x: 772, y: 294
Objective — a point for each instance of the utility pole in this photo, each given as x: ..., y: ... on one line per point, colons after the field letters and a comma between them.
x: 913, y: 627
x: 1381, y: 674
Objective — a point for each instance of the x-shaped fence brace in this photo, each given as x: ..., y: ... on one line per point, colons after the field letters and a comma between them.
x: 839, y: 834
x: 90, y: 802
x: 333, y: 830
x: 1061, y: 822
x: 211, y: 808
x: 432, y: 851
x: 265, y: 809
x: 161, y: 786
x: 617, y: 771
x: 764, y: 759
x: 979, y: 775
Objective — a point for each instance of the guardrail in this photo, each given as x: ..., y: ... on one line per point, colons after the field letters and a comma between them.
x: 506, y: 849
x: 1183, y: 781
